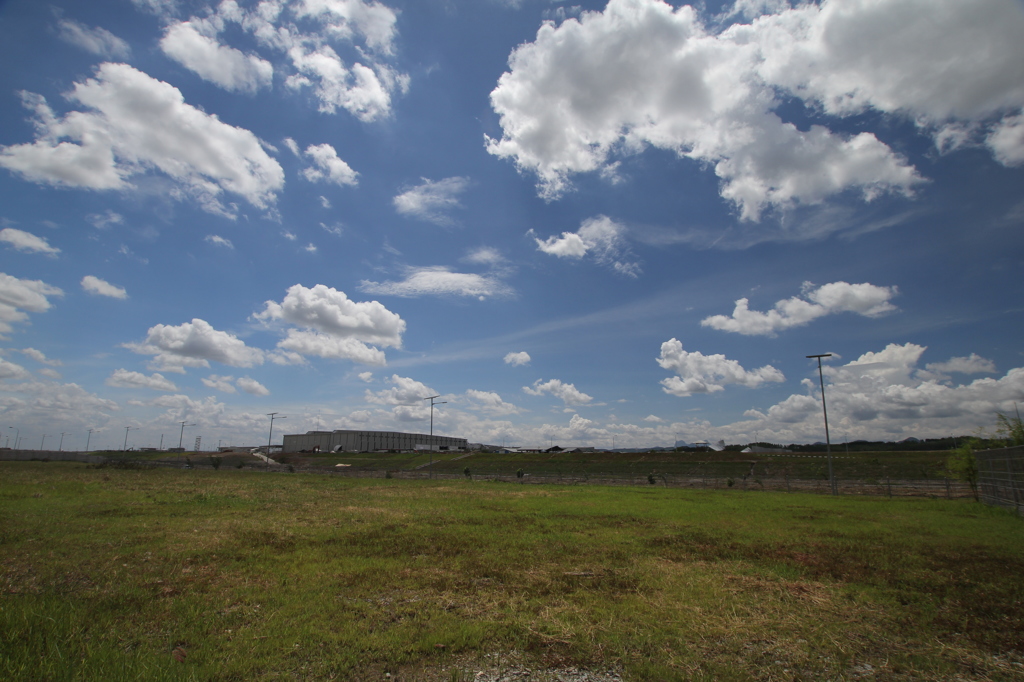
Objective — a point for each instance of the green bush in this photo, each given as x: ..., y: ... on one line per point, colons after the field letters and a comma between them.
x: 962, y: 465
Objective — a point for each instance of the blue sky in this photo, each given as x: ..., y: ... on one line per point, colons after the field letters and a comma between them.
x: 576, y: 223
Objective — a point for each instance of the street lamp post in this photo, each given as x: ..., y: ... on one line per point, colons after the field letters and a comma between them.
x: 87, y: 440
x: 272, y: 415
x: 824, y: 409
x: 42, y: 440
x: 60, y: 448
x: 431, y: 451
x: 17, y: 435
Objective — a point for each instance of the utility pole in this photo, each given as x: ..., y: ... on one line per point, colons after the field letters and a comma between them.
x: 17, y: 435
x: 60, y: 448
x: 432, y: 403
x: 43, y: 440
x: 87, y: 440
x: 272, y: 415
x: 824, y: 409
x: 126, y: 430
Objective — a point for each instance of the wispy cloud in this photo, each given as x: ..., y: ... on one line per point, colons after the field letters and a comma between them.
x: 432, y: 201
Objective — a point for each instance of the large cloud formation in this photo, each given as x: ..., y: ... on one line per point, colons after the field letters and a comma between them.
x: 331, y: 325
x: 884, y: 394
x: 641, y: 73
x: 135, y: 123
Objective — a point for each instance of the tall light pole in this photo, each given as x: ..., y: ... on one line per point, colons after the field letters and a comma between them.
x: 432, y: 403
x: 87, y: 439
x: 126, y: 430
x: 42, y: 440
x: 272, y: 415
x: 824, y: 409
x: 60, y: 448
x: 17, y: 435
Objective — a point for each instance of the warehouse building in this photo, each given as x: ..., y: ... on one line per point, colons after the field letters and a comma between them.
x: 343, y: 440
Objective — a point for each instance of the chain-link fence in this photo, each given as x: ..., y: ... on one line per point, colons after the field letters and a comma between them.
x: 1001, y: 477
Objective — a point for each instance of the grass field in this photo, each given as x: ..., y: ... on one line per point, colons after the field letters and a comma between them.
x: 115, y: 574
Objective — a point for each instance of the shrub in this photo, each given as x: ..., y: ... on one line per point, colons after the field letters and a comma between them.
x: 651, y: 479
x: 466, y: 473
x: 215, y: 461
x: 962, y: 466
x: 729, y: 482
x: 520, y: 474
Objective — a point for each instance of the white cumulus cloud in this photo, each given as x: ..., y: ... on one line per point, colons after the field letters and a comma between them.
x: 517, y: 359
x: 220, y: 383
x: 328, y: 167
x: 568, y: 393
x: 122, y: 378
x: 884, y: 395
x: 971, y: 364
x: 26, y: 241
x: 40, y: 357
x: 357, y: 88
x: 194, y: 344
x: 699, y: 373
x: 134, y: 123
x: 20, y: 295
x: 642, y: 73
x: 837, y: 297
x: 99, y: 287
x: 329, y: 324
x: 406, y: 398
x: 1007, y: 141
x: 490, y: 402
x: 221, y: 65
x: 12, y: 370
x: 601, y: 237
x: 251, y: 386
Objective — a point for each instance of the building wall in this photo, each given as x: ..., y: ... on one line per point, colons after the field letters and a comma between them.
x: 369, y: 441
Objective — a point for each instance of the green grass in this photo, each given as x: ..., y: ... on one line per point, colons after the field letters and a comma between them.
x: 120, y: 574
x: 867, y: 466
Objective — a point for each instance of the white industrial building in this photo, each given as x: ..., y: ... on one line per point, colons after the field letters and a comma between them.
x: 343, y: 440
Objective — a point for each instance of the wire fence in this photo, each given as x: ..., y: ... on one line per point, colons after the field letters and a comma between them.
x: 1001, y: 477
x: 1008, y: 480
